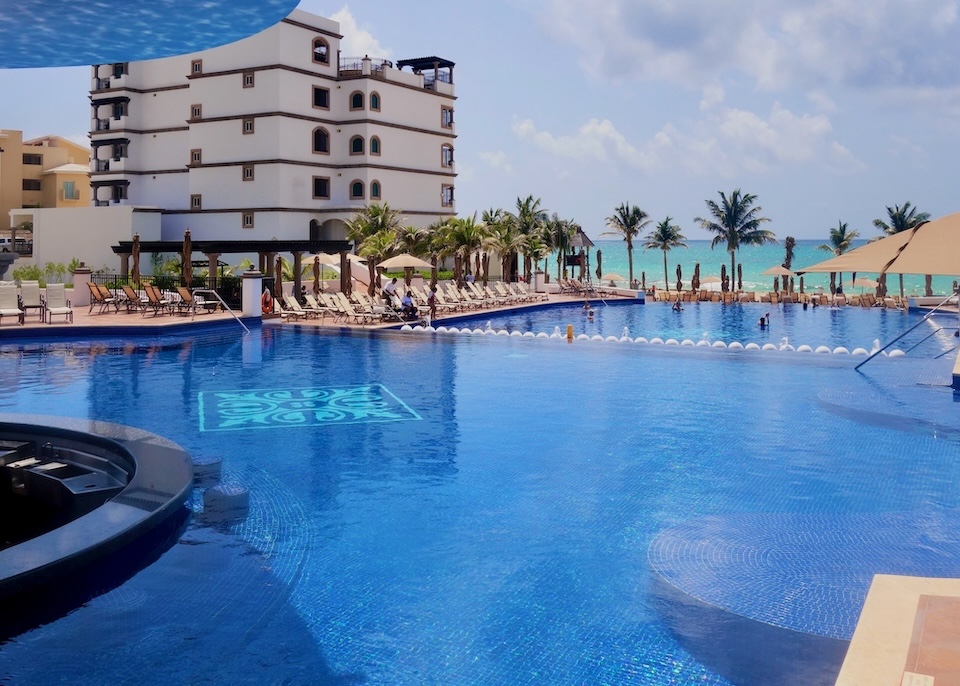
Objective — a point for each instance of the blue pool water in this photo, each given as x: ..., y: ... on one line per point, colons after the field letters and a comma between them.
x: 438, y: 509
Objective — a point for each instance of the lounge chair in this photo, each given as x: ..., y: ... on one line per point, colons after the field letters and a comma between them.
x: 313, y: 306
x: 291, y: 304
x: 101, y: 296
x: 155, y: 300
x: 188, y: 302
x: 30, y: 299
x: 57, y: 303
x: 348, y: 309
x: 132, y: 300
x: 10, y: 303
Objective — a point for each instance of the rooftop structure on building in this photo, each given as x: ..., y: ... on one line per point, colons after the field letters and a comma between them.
x: 276, y: 136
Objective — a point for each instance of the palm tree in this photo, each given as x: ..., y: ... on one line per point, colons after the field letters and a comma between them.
x: 466, y: 235
x: 528, y: 220
x: 506, y: 241
x: 414, y: 240
x: 901, y: 219
x: 736, y: 222
x: 841, y: 240
x: 377, y: 248
x: 372, y: 219
x: 556, y: 234
x: 628, y: 221
x: 789, y: 244
x: 665, y: 237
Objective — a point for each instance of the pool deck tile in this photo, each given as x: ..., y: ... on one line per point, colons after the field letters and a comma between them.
x: 906, y: 634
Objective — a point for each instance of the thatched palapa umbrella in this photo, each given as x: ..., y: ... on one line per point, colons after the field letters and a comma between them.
x: 135, y: 255
x: 187, y: 258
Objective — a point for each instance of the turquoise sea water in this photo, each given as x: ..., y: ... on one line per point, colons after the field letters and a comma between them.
x: 755, y: 259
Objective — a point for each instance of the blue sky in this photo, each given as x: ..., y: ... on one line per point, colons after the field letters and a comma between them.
x: 827, y: 110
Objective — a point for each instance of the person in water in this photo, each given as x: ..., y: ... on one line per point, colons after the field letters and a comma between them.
x: 677, y: 307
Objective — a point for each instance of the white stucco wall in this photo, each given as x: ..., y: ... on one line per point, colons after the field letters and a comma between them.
x: 88, y: 233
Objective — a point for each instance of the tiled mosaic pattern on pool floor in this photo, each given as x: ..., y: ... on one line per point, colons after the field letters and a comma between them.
x: 300, y: 407
x: 807, y: 573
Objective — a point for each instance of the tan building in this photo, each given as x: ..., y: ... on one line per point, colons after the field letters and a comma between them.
x: 42, y: 172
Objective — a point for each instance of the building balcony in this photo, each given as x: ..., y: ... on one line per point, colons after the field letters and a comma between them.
x: 102, y: 125
x: 356, y: 67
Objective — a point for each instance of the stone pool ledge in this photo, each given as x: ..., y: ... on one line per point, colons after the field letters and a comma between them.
x: 159, y: 481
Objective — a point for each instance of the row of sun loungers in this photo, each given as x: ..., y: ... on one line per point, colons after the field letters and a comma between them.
x: 825, y: 299
x: 360, y: 308
x: 151, y: 300
x: 18, y: 303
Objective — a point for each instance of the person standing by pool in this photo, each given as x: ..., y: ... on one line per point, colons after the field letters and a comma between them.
x: 389, y: 291
x: 432, y: 302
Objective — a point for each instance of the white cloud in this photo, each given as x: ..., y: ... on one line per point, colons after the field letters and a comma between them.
x: 497, y: 160
x: 712, y: 95
x: 596, y: 140
x: 869, y: 44
x: 724, y: 141
x: 357, y: 41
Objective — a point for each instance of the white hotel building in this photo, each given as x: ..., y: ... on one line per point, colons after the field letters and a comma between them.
x: 276, y: 136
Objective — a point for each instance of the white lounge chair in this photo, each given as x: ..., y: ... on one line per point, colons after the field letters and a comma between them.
x: 57, y: 303
x: 10, y: 303
x: 30, y: 299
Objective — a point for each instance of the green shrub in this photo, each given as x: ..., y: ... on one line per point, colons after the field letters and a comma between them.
x: 29, y: 272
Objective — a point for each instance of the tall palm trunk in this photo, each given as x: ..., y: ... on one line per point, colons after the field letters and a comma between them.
x: 733, y: 269
x: 666, y: 275
x: 630, y: 258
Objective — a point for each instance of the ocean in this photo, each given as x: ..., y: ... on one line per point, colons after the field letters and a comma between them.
x: 755, y: 259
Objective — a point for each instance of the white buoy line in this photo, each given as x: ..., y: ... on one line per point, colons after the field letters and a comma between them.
x: 704, y: 342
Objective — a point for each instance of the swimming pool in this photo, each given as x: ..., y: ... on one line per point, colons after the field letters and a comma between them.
x: 430, y: 509
x: 851, y: 327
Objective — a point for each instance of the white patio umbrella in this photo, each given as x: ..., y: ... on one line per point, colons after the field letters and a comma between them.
x: 404, y: 261
x: 612, y: 278
x: 332, y: 260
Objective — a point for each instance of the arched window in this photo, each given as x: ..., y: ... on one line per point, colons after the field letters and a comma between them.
x: 356, y: 100
x: 356, y: 190
x: 446, y: 155
x: 356, y: 145
x: 321, y: 51
x: 321, y: 141
x: 375, y: 145
x: 375, y: 101
x: 374, y: 190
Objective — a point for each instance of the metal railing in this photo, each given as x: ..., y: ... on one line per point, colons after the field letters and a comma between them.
x: 904, y: 333
x: 208, y: 291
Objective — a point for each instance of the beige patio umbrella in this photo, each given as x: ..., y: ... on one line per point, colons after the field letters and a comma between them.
x: 612, y: 278
x: 404, y: 261
x: 864, y: 282
x: 135, y: 255
x: 407, y: 262
x: 187, y: 258
x: 933, y: 248
x: 872, y: 257
x: 332, y: 260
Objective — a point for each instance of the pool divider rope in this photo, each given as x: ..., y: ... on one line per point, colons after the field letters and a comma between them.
x: 704, y: 342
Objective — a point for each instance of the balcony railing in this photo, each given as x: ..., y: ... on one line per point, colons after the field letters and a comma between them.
x: 103, y: 124
x: 352, y: 67
x: 102, y: 84
x: 101, y: 165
